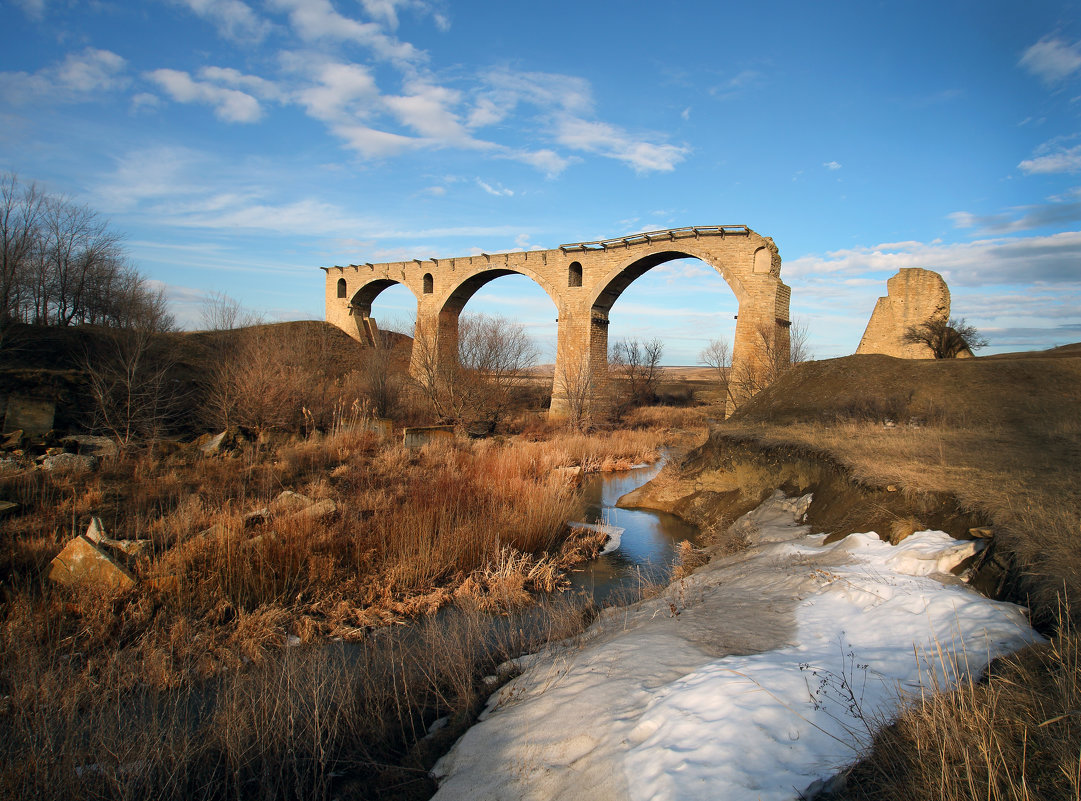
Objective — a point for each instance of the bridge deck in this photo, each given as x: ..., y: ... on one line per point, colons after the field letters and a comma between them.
x: 692, y: 231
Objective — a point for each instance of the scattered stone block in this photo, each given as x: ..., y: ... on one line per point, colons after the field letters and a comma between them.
x: 289, y: 501
x: 34, y: 416
x: 83, y: 561
x: 570, y: 475
x: 69, y: 461
x: 981, y: 532
x: 420, y: 436
x: 318, y: 510
x: 87, y: 445
x: 214, y: 444
x: 7, y: 506
x: 13, y: 440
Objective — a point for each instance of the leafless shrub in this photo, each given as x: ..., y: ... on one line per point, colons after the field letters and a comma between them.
x: 945, y: 339
x: 635, y: 366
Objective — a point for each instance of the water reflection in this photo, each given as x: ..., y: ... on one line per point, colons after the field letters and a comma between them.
x: 649, y: 541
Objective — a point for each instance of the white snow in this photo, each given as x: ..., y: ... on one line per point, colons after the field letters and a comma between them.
x: 751, y: 679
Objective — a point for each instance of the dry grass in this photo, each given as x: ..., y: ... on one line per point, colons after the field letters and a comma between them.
x: 1013, y: 736
x: 1003, y: 436
x: 184, y: 687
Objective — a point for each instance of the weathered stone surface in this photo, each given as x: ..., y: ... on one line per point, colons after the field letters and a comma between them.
x: 69, y: 461
x: 87, y: 445
x: 570, y: 475
x: 421, y: 436
x: 318, y: 510
x: 289, y: 501
x: 914, y: 296
x: 12, y: 440
x: 83, y: 561
x: 34, y: 416
x: 584, y: 280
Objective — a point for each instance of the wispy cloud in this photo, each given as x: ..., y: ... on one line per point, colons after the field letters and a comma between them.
x: 1051, y: 59
x: 608, y: 140
x: 77, y: 78
x: 1058, y: 160
x: 831, y: 165
x: 233, y: 19
x: 230, y: 105
x: 1003, y: 260
x: 1063, y: 209
x: 497, y: 191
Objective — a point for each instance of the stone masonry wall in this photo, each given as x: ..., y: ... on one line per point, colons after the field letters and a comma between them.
x: 583, y: 281
x: 914, y: 296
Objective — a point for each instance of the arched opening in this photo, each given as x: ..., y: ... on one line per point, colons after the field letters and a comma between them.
x: 429, y: 284
x: 390, y: 303
x: 574, y: 274
x: 495, y: 355
x: 341, y: 288
x: 680, y: 303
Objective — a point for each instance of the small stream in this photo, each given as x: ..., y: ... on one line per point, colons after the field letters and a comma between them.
x: 647, y: 547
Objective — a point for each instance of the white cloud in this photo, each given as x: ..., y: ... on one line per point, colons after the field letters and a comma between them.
x: 831, y: 165
x: 1052, y: 59
x: 610, y: 141
x: 1059, y: 161
x: 233, y: 18
x: 426, y: 108
x: 1049, y: 259
x: 547, y: 161
x: 74, y: 79
x: 230, y: 105
x: 497, y: 191
x: 252, y: 84
x: 545, y: 90
x: 343, y: 91
x: 372, y: 143
x: 317, y: 20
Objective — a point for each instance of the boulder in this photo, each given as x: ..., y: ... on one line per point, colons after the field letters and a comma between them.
x: 69, y: 461
x: 289, y: 501
x: 87, y: 445
x: 318, y: 510
x: 570, y: 475
x: 95, y: 532
x: 84, y: 561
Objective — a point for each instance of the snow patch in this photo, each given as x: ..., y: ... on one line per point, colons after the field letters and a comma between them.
x: 754, y: 678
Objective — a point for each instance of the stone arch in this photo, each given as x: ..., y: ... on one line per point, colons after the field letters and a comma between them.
x: 594, y: 360
x: 436, y: 339
x: 342, y: 288
x: 360, y: 307
x: 429, y: 284
x: 574, y: 274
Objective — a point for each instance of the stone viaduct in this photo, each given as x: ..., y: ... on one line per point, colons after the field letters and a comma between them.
x: 583, y: 279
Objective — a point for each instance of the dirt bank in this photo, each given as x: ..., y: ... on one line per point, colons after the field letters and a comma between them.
x: 731, y: 474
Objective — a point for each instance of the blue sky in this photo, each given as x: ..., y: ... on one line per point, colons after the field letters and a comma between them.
x: 241, y: 144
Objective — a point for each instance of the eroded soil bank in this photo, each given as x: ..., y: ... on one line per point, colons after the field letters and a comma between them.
x: 729, y: 476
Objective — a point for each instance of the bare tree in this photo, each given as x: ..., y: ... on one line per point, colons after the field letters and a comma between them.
x: 219, y: 312
x: 134, y: 397
x: 769, y: 360
x: 20, y: 217
x: 717, y: 355
x: 477, y: 389
x: 637, y: 366
x: 945, y: 339
x: 575, y: 384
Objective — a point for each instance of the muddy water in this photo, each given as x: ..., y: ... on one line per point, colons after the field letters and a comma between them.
x: 647, y: 547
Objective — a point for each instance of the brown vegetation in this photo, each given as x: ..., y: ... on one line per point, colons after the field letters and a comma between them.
x: 1001, y: 435
x: 180, y: 687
